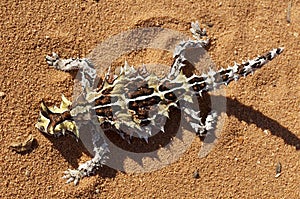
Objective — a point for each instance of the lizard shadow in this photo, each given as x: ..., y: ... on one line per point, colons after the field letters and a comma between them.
x: 72, y: 150
x: 233, y: 108
x: 251, y: 116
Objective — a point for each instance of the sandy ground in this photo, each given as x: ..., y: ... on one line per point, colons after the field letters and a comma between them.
x: 261, y: 127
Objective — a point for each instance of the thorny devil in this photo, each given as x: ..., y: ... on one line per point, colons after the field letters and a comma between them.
x: 135, y: 102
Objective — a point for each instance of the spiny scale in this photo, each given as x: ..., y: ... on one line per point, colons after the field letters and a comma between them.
x: 138, y: 103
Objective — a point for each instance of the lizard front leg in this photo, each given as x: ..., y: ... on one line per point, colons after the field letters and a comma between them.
x: 89, y: 167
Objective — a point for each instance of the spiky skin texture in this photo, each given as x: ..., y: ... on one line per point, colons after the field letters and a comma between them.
x: 135, y: 102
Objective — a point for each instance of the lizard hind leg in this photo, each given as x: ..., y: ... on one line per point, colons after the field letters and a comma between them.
x: 182, y: 52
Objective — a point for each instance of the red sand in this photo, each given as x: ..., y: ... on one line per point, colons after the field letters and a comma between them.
x: 261, y: 129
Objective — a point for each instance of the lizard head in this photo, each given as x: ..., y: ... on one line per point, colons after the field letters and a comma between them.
x: 56, y: 121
